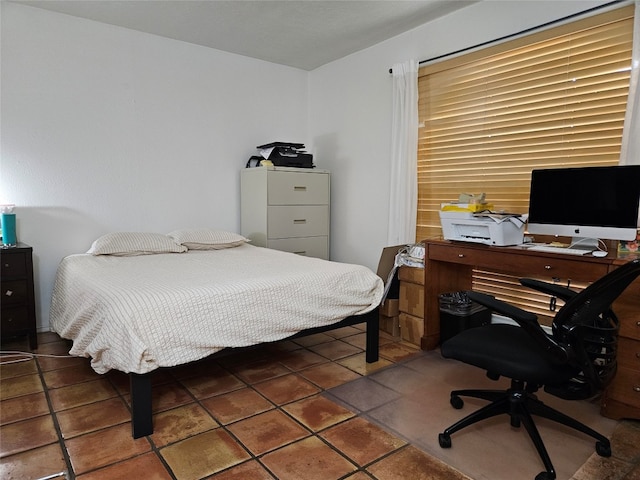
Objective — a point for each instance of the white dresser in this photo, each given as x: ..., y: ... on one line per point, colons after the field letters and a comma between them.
x: 286, y: 209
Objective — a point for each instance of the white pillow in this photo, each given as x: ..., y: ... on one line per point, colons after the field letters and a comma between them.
x: 134, y: 243
x: 205, y: 239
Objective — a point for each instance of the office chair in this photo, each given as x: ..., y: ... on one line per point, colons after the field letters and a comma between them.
x: 575, y: 362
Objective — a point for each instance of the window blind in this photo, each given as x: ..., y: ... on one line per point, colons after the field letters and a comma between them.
x: 488, y: 118
x: 554, y: 98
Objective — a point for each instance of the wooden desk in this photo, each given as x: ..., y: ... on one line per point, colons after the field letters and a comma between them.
x: 449, y: 266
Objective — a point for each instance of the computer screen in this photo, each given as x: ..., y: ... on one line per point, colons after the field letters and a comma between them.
x: 589, y: 202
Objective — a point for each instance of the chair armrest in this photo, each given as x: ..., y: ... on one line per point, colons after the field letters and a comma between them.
x: 553, y: 289
x: 528, y: 321
x: 492, y: 303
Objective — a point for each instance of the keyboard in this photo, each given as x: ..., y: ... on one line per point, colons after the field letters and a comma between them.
x: 552, y: 249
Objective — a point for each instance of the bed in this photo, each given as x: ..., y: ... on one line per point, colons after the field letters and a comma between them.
x: 137, y: 302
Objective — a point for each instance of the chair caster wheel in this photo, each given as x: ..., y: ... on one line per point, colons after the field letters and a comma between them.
x: 603, y: 449
x: 444, y: 440
x: 456, y: 402
x: 546, y: 476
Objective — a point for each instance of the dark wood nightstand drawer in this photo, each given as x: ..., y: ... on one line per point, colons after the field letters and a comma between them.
x: 14, y: 265
x: 14, y: 292
x: 15, y: 319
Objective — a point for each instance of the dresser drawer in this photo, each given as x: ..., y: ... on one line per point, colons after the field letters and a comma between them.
x: 15, y: 319
x: 298, y: 221
x: 308, y: 246
x: 293, y: 188
x: 14, y: 292
x: 519, y: 263
x: 14, y: 265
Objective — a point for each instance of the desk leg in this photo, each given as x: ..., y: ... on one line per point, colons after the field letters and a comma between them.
x: 440, y: 277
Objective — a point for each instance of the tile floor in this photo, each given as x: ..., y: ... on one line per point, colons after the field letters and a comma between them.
x: 264, y: 413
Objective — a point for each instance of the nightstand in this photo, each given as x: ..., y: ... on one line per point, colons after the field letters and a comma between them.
x: 18, y: 300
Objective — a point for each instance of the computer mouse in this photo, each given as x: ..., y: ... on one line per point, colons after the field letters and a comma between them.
x: 599, y: 253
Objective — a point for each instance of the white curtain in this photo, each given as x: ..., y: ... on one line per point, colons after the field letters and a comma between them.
x: 403, y: 196
x: 630, y: 151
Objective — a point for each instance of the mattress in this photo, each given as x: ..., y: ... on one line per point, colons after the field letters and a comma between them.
x: 136, y: 314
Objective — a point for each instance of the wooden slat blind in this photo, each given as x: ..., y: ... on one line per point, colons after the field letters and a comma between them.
x: 557, y: 99
x: 488, y: 118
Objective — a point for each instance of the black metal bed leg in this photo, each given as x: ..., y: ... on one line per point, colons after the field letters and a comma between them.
x: 373, y: 337
x: 141, y: 416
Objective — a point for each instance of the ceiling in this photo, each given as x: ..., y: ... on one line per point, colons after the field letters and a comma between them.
x: 305, y: 34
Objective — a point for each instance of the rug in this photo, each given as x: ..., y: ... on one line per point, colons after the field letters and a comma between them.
x: 411, y: 400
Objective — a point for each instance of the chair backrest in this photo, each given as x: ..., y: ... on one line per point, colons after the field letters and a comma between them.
x: 589, y: 327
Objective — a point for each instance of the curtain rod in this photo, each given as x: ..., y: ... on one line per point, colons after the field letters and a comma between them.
x: 522, y: 32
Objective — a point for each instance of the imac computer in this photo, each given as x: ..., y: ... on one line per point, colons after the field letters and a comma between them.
x: 588, y: 204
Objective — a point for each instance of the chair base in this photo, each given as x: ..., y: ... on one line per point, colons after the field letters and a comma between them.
x: 520, y: 403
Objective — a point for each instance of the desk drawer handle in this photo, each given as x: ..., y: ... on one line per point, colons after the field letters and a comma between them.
x: 301, y: 252
x: 300, y: 189
x: 637, y: 324
x: 636, y: 388
x: 547, y: 267
x: 461, y: 255
x: 300, y: 221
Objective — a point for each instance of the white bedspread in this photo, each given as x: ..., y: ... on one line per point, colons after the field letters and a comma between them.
x: 135, y: 314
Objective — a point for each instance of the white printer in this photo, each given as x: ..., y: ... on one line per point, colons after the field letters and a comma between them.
x: 468, y: 223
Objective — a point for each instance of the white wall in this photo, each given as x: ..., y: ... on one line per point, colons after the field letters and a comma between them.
x: 350, y: 112
x: 107, y: 129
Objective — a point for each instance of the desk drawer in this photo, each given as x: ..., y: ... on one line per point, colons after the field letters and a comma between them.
x: 14, y: 292
x: 629, y: 354
x: 519, y: 263
x: 293, y: 188
x: 625, y: 387
x: 629, y: 327
x: 298, y: 221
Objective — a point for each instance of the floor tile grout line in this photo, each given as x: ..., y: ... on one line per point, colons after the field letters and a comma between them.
x: 56, y: 423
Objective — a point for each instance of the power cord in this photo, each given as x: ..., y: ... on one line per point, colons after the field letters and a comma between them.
x: 601, y: 245
x: 25, y: 356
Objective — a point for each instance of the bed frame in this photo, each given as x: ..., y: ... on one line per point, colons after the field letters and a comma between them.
x: 141, y: 397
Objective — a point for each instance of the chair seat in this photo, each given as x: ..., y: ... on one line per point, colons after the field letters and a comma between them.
x: 506, y: 350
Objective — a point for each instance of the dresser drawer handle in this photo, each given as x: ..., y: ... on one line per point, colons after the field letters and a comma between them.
x: 300, y: 221
x: 636, y: 388
x: 8, y: 293
x: 547, y: 267
x: 637, y: 324
x: 461, y: 255
x: 299, y: 188
x: 302, y: 252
